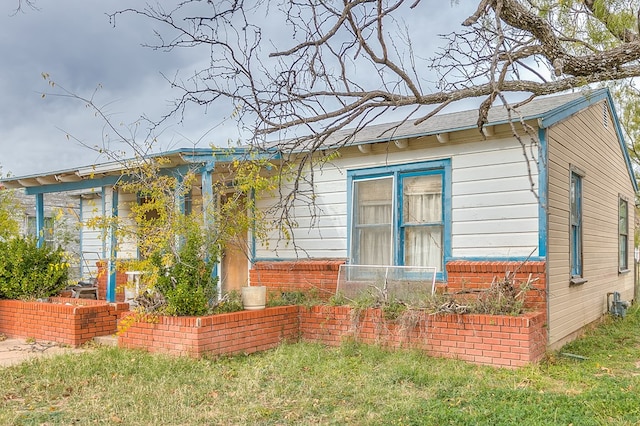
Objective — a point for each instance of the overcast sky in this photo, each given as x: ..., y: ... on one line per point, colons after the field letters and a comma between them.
x: 74, y: 42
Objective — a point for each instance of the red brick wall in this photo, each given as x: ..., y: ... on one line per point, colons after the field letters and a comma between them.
x: 482, y: 339
x: 67, y: 321
x: 238, y: 332
x: 320, y: 276
x: 471, y: 275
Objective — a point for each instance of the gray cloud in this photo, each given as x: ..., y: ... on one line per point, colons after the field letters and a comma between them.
x: 75, y: 43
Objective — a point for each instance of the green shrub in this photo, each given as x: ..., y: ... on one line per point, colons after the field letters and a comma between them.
x: 184, y: 299
x: 9, y: 211
x: 187, y: 283
x: 30, y: 272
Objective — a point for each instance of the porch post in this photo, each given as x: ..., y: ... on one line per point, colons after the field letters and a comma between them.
x: 207, y: 190
x: 111, y: 280
x: 207, y: 202
x: 40, y: 219
x: 181, y: 199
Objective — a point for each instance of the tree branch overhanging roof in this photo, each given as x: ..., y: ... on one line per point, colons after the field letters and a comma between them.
x: 546, y: 111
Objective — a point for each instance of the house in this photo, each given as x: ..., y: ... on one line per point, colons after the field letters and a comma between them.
x: 556, y: 203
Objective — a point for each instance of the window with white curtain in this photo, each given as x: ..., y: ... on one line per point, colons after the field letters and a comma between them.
x: 421, y: 225
x: 372, y: 221
x: 398, y: 215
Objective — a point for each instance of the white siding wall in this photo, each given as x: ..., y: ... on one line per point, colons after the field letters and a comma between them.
x: 96, y: 242
x: 127, y: 247
x: 494, y: 212
x: 92, y: 241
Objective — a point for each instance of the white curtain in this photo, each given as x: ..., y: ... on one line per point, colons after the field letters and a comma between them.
x: 422, y: 220
x: 374, y: 204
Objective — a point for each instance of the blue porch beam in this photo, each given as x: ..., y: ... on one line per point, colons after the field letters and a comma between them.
x: 227, y: 156
x: 73, y: 186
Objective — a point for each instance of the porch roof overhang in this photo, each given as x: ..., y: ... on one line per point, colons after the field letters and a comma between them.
x: 110, y: 173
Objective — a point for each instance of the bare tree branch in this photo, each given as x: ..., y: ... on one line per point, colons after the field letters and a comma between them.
x: 340, y: 66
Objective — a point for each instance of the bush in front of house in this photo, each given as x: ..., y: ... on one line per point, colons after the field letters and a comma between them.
x: 31, y: 272
x: 186, y: 284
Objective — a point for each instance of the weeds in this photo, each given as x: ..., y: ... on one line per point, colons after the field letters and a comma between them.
x: 230, y: 302
x: 503, y: 297
x: 303, y: 298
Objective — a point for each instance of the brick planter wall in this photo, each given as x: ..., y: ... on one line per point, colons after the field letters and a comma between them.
x: 320, y: 276
x: 63, y: 320
x: 472, y: 275
x: 238, y: 332
x: 481, y: 339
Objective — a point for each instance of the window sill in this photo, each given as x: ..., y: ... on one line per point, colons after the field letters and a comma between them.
x: 623, y: 271
x: 577, y: 281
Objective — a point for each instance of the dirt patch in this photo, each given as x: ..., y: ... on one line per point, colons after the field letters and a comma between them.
x: 16, y: 351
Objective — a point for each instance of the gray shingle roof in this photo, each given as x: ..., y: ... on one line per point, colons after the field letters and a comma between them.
x: 443, y: 123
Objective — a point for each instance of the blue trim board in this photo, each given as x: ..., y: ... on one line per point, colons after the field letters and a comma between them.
x: 228, y: 156
x: 399, y: 172
x: 73, y: 186
x: 623, y: 146
x: 500, y: 259
x: 566, y: 110
x: 543, y: 193
x: 558, y: 114
x: 451, y: 259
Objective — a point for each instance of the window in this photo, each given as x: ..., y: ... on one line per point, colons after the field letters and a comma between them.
x: 373, y: 217
x: 399, y: 215
x: 421, y: 225
x: 575, y: 237
x: 47, y: 231
x: 623, y: 235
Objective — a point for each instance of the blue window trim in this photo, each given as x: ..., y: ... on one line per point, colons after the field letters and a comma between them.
x: 575, y: 234
x: 442, y: 167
